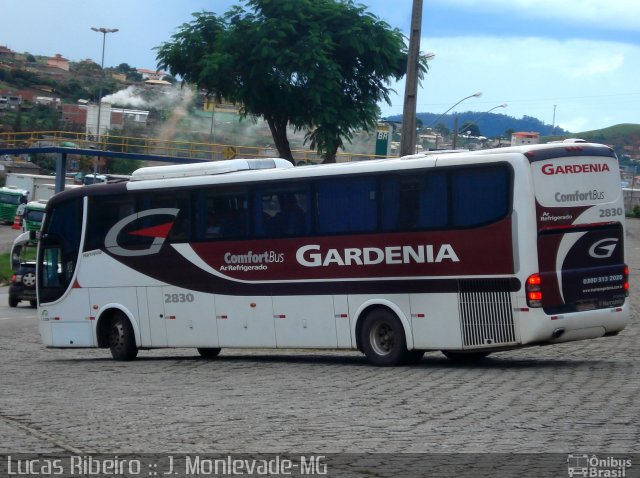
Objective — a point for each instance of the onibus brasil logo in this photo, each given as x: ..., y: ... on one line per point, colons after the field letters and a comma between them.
x: 593, y: 466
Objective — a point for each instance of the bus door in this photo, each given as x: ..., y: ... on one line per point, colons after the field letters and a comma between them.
x: 580, y: 223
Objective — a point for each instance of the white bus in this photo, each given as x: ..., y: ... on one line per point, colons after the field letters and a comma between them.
x: 467, y: 253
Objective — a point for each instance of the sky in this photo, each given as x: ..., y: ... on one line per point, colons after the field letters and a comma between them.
x: 570, y: 63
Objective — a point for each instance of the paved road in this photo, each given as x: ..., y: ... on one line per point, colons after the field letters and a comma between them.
x: 566, y: 398
x: 7, y: 235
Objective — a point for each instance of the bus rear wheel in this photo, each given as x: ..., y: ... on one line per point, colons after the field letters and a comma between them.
x: 383, y: 339
x: 122, y: 341
x: 208, y: 352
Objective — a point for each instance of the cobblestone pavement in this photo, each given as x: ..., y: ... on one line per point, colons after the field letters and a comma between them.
x: 581, y: 396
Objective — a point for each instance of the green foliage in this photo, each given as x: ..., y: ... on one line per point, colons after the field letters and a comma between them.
x: 47, y: 162
x: 20, y: 78
x: 470, y: 128
x: 317, y: 65
x: 5, y: 268
x: 636, y: 211
x: 442, y: 130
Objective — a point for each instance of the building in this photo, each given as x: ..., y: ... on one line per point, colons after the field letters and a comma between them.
x: 6, y: 53
x: 151, y: 75
x: 9, y: 100
x: 521, y: 138
x: 59, y: 61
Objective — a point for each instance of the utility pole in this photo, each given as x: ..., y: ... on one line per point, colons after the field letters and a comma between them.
x: 408, y: 139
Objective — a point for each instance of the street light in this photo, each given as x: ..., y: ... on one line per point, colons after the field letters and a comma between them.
x: 475, y: 95
x: 104, y: 32
x: 475, y: 121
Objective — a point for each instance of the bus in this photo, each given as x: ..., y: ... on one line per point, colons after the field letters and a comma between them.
x: 466, y: 253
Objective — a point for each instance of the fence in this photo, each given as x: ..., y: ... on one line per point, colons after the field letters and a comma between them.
x: 161, y: 147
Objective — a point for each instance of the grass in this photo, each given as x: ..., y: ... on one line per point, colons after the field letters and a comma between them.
x: 5, y: 268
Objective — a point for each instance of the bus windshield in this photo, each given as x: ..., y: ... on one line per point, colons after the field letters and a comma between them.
x: 59, y: 249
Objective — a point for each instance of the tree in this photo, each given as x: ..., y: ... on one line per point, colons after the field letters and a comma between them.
x: 315, y: 65
x: 442, y: 129
x: 470, y: 128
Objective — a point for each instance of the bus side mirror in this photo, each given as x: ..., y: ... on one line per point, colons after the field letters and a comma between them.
x: 15, y: 258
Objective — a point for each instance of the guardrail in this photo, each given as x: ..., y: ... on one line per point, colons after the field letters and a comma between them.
x: 160, y: 147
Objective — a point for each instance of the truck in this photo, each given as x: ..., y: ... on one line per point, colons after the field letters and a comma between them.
x: 33, y: 183
x: 11, y: 197
x: 21, y: 188
x: 33, y: 215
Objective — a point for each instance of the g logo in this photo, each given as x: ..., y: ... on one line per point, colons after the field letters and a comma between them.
x: 604, y: 248
x: 159, y: 233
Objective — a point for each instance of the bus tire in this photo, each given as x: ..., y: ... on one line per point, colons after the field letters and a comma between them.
x: 383, y: 339
x: 465, y: 357
x: 122, y: 341
x: 209, y: 352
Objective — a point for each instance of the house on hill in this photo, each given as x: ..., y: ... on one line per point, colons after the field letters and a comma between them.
x: 58, y: 61
x: 6, y: 53
x: 151, y: 75
x: 521, y: 138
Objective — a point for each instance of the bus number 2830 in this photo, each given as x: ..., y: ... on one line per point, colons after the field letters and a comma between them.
x: 177, y: 298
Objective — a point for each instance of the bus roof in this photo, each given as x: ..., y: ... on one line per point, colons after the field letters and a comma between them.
x: 208, y: 168
x: 264, y: 169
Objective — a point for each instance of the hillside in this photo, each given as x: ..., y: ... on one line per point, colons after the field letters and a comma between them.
x: 491, y: 125
x: 620, y: 135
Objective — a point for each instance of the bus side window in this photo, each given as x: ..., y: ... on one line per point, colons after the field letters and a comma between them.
x: 181, y: 224
x: 480, y: 195
x: 347, y: 205
x: 221, y: 214
x: 283, y: 211
x: 104, y: 212
x: 414, y: 202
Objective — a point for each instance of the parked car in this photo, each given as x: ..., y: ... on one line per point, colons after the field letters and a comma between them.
x: 23, y: 285
x: 23, y: 264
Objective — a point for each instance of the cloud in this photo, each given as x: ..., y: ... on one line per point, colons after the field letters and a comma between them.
x: 621, y: 14
x: 588, y: 84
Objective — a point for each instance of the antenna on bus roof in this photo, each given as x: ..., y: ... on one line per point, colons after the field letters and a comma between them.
x: 208, y: 168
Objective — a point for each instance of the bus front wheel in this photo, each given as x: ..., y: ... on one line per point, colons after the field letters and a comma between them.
x: 383, y: 339
x: 122, y: 341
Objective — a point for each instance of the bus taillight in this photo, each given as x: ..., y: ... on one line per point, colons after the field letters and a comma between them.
x: 534, y: 290
x: 626, y: 280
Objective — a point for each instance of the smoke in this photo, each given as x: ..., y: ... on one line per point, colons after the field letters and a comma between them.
x: 184, y: 122
x: 148, y: 97
x: 169, y: 128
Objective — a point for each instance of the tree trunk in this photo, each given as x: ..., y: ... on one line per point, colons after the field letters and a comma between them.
x: 329, y: 157
x: 331, y: 152
x: 279, y: 134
